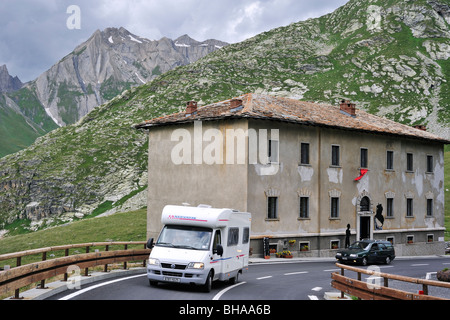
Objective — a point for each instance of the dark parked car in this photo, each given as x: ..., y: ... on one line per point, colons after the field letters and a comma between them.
x: 367, y: 251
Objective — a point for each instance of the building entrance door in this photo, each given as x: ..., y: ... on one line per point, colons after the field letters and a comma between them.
x: 364, y: 227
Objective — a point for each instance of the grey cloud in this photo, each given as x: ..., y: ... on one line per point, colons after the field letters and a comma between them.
x: 34, y: 33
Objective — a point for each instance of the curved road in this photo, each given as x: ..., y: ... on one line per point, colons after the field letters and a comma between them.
x: 295, y: 280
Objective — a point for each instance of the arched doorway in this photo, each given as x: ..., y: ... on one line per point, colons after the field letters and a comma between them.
x: 364, y: 216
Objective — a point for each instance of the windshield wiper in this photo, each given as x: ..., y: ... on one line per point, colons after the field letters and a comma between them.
x: 185, y: 246
x: 165, y: 244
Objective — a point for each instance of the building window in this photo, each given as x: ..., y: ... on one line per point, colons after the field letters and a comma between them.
x: 273, y: 151
x: 429, y: 207
x: 409, y: 162
x: 304, y: 207
x: 334, y: 244
x: 364, y: 158
x: 364, y: 205
x: 410, y: 239
x: 246, y: 235
x: 409, y: 207
x: 334, y: 207
x: 272, y: 207
x: 429, y: 164
x: 430, y: 238
x: 390, y: 160
x: 335, y: 155
x: 304, y: 153
x: 233, y: 236
x: 391, y: 240
x: 390, y: 207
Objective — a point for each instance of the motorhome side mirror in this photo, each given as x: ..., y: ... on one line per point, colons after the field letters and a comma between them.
x: 150, y: 243
x: 219, y: 250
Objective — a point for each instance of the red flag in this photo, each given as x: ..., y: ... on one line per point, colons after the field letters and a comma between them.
x: 363, y: 172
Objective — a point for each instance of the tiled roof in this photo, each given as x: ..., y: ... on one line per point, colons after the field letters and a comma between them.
x: 258, y: 106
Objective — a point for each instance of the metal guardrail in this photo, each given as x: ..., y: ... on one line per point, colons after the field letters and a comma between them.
x: 20, y: 276
x: 371, y: 291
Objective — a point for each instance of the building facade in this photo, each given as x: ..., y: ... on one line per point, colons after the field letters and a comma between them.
x: 305, y: 171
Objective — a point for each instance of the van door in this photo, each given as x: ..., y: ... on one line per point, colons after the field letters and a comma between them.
x: 217, y: 254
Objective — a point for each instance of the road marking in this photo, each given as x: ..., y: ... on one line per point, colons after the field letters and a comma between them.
x: 217, y: 296
x: 420, y: 264
x: 446, y: 263
x: 267, y: 277
x: 313, y: 297
x: 331, y: 270
x: 72, y: 295
x: 291, y: 273
x: 316, y: 289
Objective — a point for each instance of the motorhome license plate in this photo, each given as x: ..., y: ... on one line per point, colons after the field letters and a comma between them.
x: 171, y: 279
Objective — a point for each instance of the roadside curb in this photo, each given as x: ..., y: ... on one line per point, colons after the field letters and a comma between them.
x: 59, y: 286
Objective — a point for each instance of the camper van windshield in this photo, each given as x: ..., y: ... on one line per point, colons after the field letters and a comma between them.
x: 185, y: 237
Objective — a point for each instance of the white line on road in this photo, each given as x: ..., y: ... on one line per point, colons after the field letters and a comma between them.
x: 313, y: 297
x: 72, y: 295
x: 300, y: 272
x: 316, y: 289
x: 267, y: 277
x: 217, y: 296
x: 331, y: 270
x: 420, y: 264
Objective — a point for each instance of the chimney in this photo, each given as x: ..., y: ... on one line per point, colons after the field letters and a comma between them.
x: 421, y: 127
x: 235, y: 103
x: 191, y: 107
x: 348, y: 107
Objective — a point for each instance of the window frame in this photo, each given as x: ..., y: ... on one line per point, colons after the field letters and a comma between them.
x: 304, y: 153
x: 364, y: 157
x: 389, y: 160
x: 272, y: 211
x: 334, y: 207
x: 335, y: 155
x: 303, y: 214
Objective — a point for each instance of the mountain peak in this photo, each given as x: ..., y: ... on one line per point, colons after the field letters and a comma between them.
x: 7, y: 82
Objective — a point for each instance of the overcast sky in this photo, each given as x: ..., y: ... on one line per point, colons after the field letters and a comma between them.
x: 35, y: 34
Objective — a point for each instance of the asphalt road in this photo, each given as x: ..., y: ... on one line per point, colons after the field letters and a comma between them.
x: 293, y: 280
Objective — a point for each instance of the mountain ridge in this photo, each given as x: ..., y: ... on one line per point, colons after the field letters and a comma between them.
x: 103, y: 66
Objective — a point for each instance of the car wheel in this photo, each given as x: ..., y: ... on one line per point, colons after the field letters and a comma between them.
x: 208, y: 283
x: 364, y: 261
x: 235, y: 279
x: 388, y: 260
x: 153, y: 283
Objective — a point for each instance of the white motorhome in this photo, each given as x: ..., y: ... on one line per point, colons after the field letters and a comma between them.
x: 198, y: 245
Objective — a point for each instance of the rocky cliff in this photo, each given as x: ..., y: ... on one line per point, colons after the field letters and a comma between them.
x: 102, y: 67
x: 7, y: 82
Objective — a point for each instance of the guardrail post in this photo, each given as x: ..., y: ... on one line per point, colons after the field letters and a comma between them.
x: 144, y: 263
x: 86, y: 270
x: 44, y: 257
x: 66, y: 253
x: 342, y: 292
x: 105, y: 269
x: 17, y: 291
x: 125, y: 263
x: 425, y: 289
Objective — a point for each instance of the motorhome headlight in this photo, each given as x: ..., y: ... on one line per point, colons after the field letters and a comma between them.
x: 153, y: 261
x: 353, y: 255
x: 196, y: 265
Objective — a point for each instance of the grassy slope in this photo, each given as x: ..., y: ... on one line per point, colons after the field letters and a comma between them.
x: 447, y: 193
x: 128, y: 226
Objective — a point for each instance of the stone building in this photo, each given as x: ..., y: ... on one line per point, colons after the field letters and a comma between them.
x: 304, y: 170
